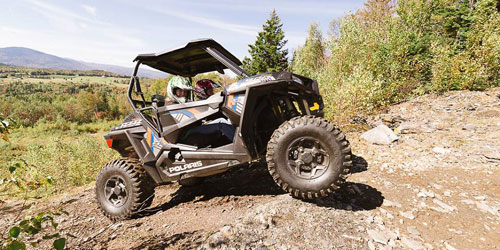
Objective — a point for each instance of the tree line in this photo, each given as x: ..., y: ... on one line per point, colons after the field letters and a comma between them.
x: 389, y: 51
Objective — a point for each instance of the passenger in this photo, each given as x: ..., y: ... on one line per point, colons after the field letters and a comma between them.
x: 204, y: 88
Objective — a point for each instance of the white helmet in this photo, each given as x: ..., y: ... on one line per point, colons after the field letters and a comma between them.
x: 178, y: 82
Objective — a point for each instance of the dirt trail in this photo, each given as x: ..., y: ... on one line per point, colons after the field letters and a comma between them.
x: 437, y: 187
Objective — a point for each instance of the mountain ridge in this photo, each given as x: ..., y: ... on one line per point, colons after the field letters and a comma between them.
x: 27, y: 57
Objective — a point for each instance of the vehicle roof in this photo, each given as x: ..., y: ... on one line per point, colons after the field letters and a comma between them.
x: 189, y: 59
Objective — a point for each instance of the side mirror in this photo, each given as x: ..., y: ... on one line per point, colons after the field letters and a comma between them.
x: 159, y: 100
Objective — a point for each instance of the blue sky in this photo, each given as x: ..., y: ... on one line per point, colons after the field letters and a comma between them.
x: 113, y: 31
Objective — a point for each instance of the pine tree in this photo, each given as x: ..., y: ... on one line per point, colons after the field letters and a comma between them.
x: 268, y: 53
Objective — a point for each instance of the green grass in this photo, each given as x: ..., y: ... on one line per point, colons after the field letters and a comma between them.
x: 58, y: 79
x: 71, y: 155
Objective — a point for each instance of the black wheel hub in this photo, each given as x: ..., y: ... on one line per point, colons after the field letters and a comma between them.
x: 115, y: 191
x: 307, y: 158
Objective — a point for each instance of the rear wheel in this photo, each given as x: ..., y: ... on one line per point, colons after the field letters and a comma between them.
x: 123, y: 188
x: 308, y: 157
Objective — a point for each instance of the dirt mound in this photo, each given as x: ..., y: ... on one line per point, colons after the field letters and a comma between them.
x: 436, y: 187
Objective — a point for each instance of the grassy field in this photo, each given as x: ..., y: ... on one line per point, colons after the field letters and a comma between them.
x: 70, y: 156
x: 62, y: 116
x: 120, y: 82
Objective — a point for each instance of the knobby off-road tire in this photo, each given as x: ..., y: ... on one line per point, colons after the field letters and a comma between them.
x: 308, y: 157
x: 123, y: 188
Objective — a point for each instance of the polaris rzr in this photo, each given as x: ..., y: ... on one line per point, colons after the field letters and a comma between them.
x: 276, y: 117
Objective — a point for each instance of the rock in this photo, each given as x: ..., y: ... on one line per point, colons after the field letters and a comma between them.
x: 480, y: 197
x: 439, y: 209
x: 116, y: 226
x: 225, y: 230
x: 443, y: 205
x: 216, y: 240
x: 358, y: 120
x: 424, y: 193
x: 380, y: 135
x: 422, y: 205
x: 67, y: 200
x: 448, y: 246
x: 371, y: 246
x: 441, y: 150
x: 389, y: 215
x: 378, y: 236
x: 428, y: 246
x: 351, y: 237
x: 469, y: 127
x: 485, y: 208
x: 412, y: 230
x: 391, y: 243
x: 392, y: 235
x: 378, y: 220
x: 408, y: 215
x: 269, y: 242
x: 388, y: 203
x: 447, y: 193
x: 369, y: 219
x: 468, y: 202
x: 459, y: 232
x: 263, y: 221
x: 413, y: 128
x: 302, y: 209
x: 411, y: 243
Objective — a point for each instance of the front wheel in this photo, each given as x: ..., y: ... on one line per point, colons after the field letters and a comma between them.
x: 123, y: 188
x: 308, y: 157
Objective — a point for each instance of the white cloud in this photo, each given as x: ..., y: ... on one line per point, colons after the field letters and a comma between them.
x: 330, y: 8
x: 90, y: 9
x: 69, y: 21
x: 243, y: 29
x: 212, y: 22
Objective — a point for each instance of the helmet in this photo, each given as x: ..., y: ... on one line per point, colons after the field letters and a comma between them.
x: 178, y: 82
x: 203, y: 86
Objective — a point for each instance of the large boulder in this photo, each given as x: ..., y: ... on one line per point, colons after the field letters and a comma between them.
x: 380, y: 135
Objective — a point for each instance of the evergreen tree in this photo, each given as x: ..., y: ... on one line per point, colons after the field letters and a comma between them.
x: 268, y: 53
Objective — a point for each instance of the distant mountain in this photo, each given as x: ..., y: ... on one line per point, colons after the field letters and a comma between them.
x: 20, y: 56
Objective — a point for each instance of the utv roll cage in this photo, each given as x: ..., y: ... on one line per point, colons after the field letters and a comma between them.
x: 195, y: 57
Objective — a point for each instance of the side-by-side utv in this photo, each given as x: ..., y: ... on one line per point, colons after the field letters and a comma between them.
x: 276, y: 117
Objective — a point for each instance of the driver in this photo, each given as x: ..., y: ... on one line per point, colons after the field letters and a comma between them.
x: 179, y: 90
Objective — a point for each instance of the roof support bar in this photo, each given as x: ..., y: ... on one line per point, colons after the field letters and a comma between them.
x: 228, y: 63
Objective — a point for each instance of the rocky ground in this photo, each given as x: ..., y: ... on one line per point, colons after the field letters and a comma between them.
x: 436, y: 187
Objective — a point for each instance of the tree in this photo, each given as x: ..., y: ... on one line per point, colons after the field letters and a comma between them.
x: 309, y: 59
x: 267, y: 54
x: 216, y: 77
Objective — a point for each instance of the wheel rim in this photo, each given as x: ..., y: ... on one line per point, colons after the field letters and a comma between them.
x: 307, y: 158
x: 115, y: 191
